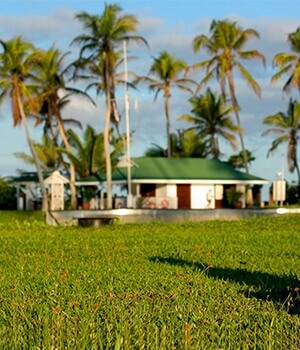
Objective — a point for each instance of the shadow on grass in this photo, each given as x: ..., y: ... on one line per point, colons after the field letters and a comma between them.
x: 283, y: 290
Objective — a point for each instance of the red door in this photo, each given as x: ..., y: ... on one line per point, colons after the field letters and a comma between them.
x: 184, y: 196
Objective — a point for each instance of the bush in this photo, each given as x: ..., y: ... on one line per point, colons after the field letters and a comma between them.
x: 292, y: 194
x: 7, y: 195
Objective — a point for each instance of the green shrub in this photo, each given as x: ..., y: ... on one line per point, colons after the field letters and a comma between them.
x: 8, y: 199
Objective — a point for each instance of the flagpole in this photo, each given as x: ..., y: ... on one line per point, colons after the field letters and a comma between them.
x: 129, y: 191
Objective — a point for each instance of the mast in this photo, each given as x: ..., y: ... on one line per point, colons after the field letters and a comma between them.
x: 128, y: 161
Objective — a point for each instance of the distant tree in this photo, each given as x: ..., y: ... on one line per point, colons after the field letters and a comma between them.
x: 289, y: 64
x: 237, y: 160
x: 47, y: 152
x: 105, y: 34
x: 287, y: 126
x: 8, y: 200
x: 292, y: 194
x: 212, y: 120
x: 156, y: 151
x: 189, y: 144
x: 184, y: 143
x: 226, y: 45
x: 165, y: 73
x: 18, y: 63
x: 87, y: 153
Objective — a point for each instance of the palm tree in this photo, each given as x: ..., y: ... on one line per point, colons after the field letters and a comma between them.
x: 289, y: 63
x: 167, y: 72
x: 211, y: 119
x: 237, y: 160
x: 87, y: 153
x: 53, y: 84
x: 93, y: 72
x: 105, y: 35
x: 156, y: 150
x: 18, y: 62
x: 184, y: 144
x: 47, y: 152
x: 287, y: 126
x: 226, y: 43
x: 189, y: 144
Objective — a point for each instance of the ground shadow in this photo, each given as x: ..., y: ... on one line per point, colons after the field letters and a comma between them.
x: 283, y: 290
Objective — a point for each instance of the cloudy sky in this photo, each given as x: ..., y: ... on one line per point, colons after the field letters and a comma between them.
x: 167, y: 25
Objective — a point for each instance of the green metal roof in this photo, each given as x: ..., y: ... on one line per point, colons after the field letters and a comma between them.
x: 30, y: 177
x: 155, y: 168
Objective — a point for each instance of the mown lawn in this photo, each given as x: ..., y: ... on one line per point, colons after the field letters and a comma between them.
x: 208, y: 285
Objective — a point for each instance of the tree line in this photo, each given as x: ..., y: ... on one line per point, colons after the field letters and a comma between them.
x: 40, y: 85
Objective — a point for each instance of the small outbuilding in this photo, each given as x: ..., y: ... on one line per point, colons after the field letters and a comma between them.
x: 183, y: 183
x: 56, y: 183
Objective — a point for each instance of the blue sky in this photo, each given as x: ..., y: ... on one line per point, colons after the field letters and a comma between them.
x: 166, y: 25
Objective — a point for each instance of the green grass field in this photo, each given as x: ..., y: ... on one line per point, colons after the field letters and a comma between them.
x: 208, y: 285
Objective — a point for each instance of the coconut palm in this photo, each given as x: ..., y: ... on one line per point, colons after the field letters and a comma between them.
x: 184, y: 143
x: 237, y: 160
x: 156, y: 150
x: 47, y: 152
x: 87, y: 153
x: 53, y: 96
x: 212, y: 120
x: 287, y: 126
x: 289, y: 63
x: 189, y: 144
x: 93, y: 72
x: 18, y: 61
x: 226, y: 45
x: 102, y: 41
x: 167, y: 72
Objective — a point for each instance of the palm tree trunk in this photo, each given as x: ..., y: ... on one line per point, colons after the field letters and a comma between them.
x: 33, y: 152
x: 236, y: 112
x: 106, y: 141
x: 249, y: 194
x: 298, y: 171
x: 215, y: 147
x: 167, y: 112
x: 72, y: 167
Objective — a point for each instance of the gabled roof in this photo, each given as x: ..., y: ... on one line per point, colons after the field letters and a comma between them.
x: 184, y: 170
x: 56, y: 178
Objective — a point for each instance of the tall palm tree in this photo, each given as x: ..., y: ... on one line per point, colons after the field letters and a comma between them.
x: 289, y: 63
x: 184, y: 144
x: 105, y: 34
x: 18, y: 61
x: 92, y: 71
x: 287, y: 126
x: 211, y: 118
x: 226, y: 44
x: 167, y: 72
x: 52, y: 80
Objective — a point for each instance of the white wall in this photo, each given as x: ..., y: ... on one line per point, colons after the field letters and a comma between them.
x: 200, y: 195
x: 166, y: 191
